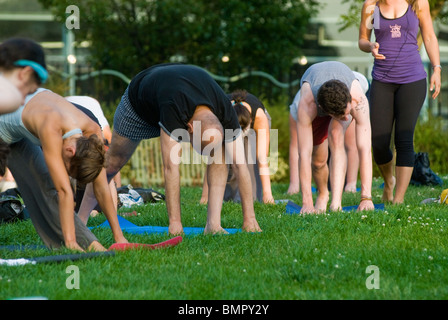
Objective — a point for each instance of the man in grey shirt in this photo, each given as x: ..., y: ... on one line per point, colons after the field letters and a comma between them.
x: 331, y: 98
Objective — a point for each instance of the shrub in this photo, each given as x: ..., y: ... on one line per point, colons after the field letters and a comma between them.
x: 431, y: 136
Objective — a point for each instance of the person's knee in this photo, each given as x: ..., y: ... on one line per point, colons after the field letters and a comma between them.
x: 405, y: 154
x: 336, y: 139
x: 318, y: 164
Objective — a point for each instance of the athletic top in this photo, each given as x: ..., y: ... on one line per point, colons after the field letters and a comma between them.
x: 12, y: 128
x: 91, y: 104
x: 294, y: 106
x: 398, y: 43
x: 254, y: 103
x: 167, y: 95
x: 319, y: 73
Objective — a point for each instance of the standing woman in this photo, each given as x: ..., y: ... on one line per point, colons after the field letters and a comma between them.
x: 399, y: 83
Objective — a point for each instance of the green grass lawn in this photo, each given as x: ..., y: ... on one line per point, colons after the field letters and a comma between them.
x: 295, y: 257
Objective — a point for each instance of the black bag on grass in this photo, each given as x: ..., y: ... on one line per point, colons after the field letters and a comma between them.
x: 422, y: 174
x: 11, y: 208
x: 148, y: 195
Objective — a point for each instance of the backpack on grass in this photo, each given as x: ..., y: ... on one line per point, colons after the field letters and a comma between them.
x: 11, y: 208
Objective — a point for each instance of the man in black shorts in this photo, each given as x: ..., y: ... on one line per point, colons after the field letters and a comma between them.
x: 182, y: 103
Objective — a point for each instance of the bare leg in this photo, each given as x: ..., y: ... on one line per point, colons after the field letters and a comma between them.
x: 403, y: 177
x: 204, y: 197
x: 294, y: 182
x: 338, y: 163
x: 320, y: 175
x: 216, y: 180
x: 387, y: 171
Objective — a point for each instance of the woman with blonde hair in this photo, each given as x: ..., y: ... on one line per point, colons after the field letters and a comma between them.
x: 399, y: 86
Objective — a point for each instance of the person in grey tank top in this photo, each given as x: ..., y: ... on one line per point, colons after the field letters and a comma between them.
x: 51, y: 141
x: 331, y: 98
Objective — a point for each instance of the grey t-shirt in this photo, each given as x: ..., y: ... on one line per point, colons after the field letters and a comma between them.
x: 321, y: 72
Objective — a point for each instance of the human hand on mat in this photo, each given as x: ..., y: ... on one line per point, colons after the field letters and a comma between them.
x: 73, y: 245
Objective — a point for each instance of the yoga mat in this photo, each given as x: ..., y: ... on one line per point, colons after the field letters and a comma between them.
x: 129, y: 227
x: 292, y: 208
x: 55, y: 258
x: 23, y: 247
x: 128, y: 246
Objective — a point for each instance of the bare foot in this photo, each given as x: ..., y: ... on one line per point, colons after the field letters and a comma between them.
x: 175, y: 229
x: 210, y: 230
x: 350, y: 188
x: 293, y: 189
x: 335, y: 209
x: 251, y: 226
x: 94, y: 213
x: 388, y: 191
x: 321, y: 202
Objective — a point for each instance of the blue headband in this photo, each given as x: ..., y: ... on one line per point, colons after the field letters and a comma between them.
x: 41, y: 72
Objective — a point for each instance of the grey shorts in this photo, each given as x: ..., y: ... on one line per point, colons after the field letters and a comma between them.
x: 128, y: 124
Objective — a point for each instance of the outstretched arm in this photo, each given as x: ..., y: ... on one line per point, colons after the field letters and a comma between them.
x: 51, y: 146
x: 360, y: 111
x: 261, y: 127
x: 431, y: 46
x: 118, y: 154
x: 365, y: 31
x: 103, y: 195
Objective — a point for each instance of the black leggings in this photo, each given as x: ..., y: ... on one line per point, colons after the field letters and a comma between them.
x: 398, y: 104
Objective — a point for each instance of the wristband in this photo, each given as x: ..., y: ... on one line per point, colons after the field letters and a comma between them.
x: 365, y: 198
x: 437, y: 66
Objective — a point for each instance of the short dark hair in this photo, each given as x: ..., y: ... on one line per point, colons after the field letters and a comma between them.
x: 333, y: 97
x: 14, y: 49
x: 244, y: 117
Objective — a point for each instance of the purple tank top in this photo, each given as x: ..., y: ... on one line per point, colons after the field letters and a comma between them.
x: 398, y: 43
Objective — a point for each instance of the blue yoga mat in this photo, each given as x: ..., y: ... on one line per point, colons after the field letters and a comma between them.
x: 129, y: 227
x: 292, y: 208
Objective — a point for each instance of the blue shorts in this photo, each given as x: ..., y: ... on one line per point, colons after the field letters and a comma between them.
x: 128, y: 124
